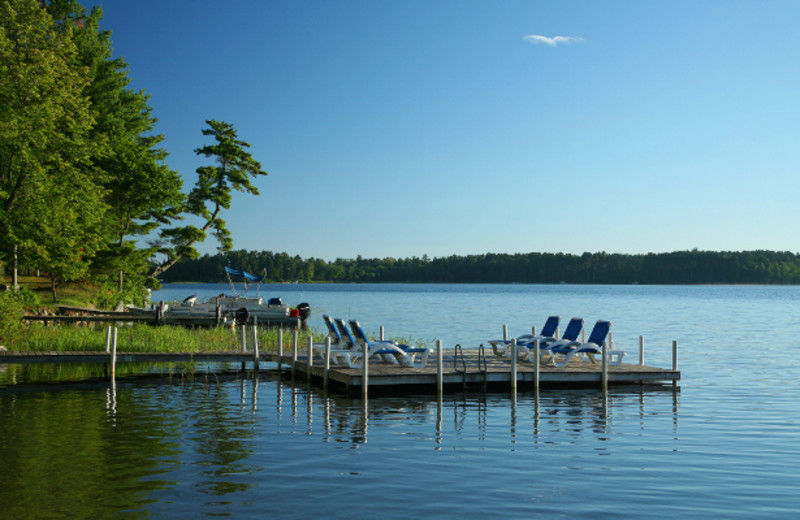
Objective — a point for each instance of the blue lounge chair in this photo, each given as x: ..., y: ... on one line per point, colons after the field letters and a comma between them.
x: 337, y: 343
x: 409, y: 357
x: 591, y: 348
x: 501, y: 347
x: 351, y: 353
x: 570, y: 336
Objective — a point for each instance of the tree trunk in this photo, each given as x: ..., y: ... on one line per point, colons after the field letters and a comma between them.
x: 15, y: 277
x: 163, y: 267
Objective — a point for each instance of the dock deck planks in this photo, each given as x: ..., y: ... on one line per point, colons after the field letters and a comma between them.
x: 469, y: 371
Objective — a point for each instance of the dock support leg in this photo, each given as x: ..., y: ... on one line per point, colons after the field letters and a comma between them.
x: 674, y: 362
x: 280, y: 350
x: 364, y: 371
x: 108, y: 339
x: 327, y: 364
x: 439, y: 368
x: 604, y: 364
x: 244, y: 345
x: 310, y: 363
x: 641, y: 351
x: 113, y: 360
x: 255, y: 344
x: 514, y: 366
x: 294, y: 351
x: 108, y: 349
x: 537, y: 356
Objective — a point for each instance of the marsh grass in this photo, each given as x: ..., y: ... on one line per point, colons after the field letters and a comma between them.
x: 146, y: 338
x: 133, y: 338
x: 137, y: 338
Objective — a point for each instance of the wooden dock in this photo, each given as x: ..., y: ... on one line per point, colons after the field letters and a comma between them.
x: 460, y: 368
x: 496, y: 371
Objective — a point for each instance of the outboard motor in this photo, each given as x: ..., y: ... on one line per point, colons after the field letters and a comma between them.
x: 304, y: 310
x: 242, y: 316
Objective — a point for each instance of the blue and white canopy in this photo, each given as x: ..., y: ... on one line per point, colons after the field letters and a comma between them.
x: 245, y: 275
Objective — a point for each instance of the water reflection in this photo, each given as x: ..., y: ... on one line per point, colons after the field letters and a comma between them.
x: 214, y: 442
x: 111, y: 399
x: 532, y: 415
x: 571, y: 412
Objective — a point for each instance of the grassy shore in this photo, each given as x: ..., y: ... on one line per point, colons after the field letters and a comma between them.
x: 131, y: 338
x: 144, y: 338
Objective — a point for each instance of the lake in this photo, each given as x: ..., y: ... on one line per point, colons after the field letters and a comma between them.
x: 725, y: 445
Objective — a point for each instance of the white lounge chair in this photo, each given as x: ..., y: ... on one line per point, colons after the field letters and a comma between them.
x: 591, y: 348
x: 570, y: 337
x: 351, y: 355
x: 407, y: 355
x: 501, y: 347
x: 337, y: 343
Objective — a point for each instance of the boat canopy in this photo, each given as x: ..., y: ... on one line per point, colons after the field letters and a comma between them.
x: 245, y: 275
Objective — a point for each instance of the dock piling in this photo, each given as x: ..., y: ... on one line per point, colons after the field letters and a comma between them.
x: 641, y: 351
x: 327, y: 364
x: 113, y: 360
x: 244, y: 344
x: 280, y: 349
x: 439, y: 368
x: 675, y: 361
x: 294, y: 351
x: 537, y: 355
x: 255, y: 343
x: 364, y: 370
x: 514, y: 366
x: 382, y: 334
x: 604, y: 366
x: 108, y: 339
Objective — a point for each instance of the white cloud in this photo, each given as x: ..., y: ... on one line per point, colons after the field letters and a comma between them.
x: 552, y: 42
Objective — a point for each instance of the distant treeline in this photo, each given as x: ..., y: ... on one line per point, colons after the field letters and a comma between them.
x: 681, y: 267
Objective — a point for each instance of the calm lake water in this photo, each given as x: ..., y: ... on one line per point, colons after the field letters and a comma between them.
x: 726, y: 445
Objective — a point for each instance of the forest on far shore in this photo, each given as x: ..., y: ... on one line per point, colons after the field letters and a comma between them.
x: 680, y: 267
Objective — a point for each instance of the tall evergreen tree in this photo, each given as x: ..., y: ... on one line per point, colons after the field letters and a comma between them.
x: 212, y: 193
x: 142, y: 193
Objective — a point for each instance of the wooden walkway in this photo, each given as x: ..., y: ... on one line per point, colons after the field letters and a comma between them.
x: 470, y: 370
x: 467, y: 369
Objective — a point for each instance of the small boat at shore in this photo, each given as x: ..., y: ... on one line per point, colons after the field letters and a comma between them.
x: 233, y: 308
x: 242, y: 309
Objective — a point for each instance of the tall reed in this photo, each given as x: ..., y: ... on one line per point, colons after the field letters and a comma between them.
x: 146, y: 338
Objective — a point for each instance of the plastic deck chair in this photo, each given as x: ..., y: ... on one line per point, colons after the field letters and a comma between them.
x: 570, y: 337
x: 409, y: 353
x: 500, y: 347
x: 591, y: 348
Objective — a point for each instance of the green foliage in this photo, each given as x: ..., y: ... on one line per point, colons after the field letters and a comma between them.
x: 45, y: 141
x: 212, y: 193
x: 12, y: 307
x: 681, y: 267
x: 141, y: 192
x: 82, y: 173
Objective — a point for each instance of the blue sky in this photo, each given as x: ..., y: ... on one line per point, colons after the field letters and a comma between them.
x: 405, y: 128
